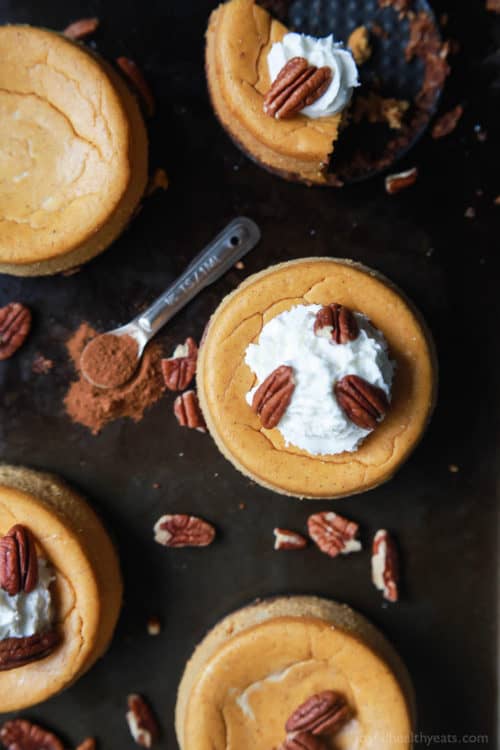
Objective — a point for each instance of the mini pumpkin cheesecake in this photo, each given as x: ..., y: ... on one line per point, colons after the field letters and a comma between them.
x: 60, y: 587
x: 281, y: 97
x: 73, y: 153
x: 317, y: 378
x: 291, y: 673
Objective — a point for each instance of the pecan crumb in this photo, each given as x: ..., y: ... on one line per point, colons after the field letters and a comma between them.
x: 82, y: 28
x: 401, y: 180
x: 286, y: 539
x: 447, y: 123
x: 41, y: 365
x: 154, y: 625
x: 141, y: 721
x: 385, y: 567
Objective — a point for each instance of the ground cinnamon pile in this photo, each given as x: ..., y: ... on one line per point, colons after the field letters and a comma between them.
x: 95, y: 407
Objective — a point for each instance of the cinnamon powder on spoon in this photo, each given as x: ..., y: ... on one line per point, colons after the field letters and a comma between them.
x: 109, y: 360
x: 95, y: 407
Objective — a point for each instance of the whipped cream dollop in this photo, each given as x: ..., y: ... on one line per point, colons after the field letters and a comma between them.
x: 313, y: 420
x: 319, y: 52
x: 24, y: 614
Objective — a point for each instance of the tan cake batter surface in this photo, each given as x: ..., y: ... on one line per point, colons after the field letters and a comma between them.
x: 87, y: 590
x: 73, y: 152
x: 259, y: 664
x: 224, y: 379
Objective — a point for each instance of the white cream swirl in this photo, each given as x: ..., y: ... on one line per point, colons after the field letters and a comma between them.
x: 318, y: 51
x: 23, y: 615
x: 314, y: 420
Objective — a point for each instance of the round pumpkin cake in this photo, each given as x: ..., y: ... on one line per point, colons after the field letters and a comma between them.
x: 250, y: 674
x: 58, y: 613
x: 73, y: 153
x: 296, y: 410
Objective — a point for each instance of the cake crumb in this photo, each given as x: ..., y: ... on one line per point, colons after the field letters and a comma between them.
x: 376, y: 108
x: 453, y: 469
x: 359, y: 43
x: 154, y: 625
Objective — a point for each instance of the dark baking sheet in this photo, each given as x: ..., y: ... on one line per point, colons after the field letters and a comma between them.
x: 446, y: 523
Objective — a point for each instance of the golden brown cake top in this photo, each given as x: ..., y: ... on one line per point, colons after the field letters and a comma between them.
x: 251, y: 685
x: 64, y: 140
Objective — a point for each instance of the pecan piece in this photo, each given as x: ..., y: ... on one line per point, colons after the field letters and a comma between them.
x: 322, y: 713
x: 15, y: 324
x: 136, y: 78
x: 447, y: 123
x: 188, y: 413
x: 333, y: 534
x: 297, y: 85
x: 15, y: 652
x: 364, y: 404
x: 401, y: 180
x: 286, y: 539
x: 179, y: 369
x: 88, y: 744
x: 20, y: 734
x: 141, y: 721
x: 339, y: 322
x: 270, y: 400
x: 18, y: 561
x: 182, y: 530
x: 82, y: 28
x: 385, y: 567
x: 303, y: 741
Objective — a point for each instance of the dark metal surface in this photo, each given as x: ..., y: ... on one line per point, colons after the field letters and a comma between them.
x: 446, y: 523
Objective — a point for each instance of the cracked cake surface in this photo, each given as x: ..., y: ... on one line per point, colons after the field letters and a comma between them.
x: 73, y: 152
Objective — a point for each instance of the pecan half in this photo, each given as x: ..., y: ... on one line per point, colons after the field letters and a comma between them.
x: 270, y: 400
x: 182, y: 530
x: 385, y: 567
x: 303, y: 741
x: 333, y: 534
x: 297, y: 85
x: 364, y: 404
x: 20, y: 734
x: 286, y: 539
x: 338, y: 322
x: 18, y: 561
x: 141, y: 721
x: 136, y: 78
x: 15, y: 324
x: 81, y: 29
x: 15, y: 652
x: 401, y: 180
x: 188, y: 413
x: 322, y: 713
x: 179, y: 369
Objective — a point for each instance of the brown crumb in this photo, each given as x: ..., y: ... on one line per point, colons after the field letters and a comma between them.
x: 376, y: 108
x: 394, y: 183
x: 88, y: 744
x: 239, y: 265
x: 158, y: 181
x: 453, y: 469
x: 41, y: 365
x: 379, y: 31
x: 470, y: 213
x: 359, y: 42
x: 242, y: 506
x: 154, y: 625
x: 443, y: 19
x: 81, y: 29
x: 156, y: 485
x: 447, y: 123
x: 496, y: 201
x: 95, y: 407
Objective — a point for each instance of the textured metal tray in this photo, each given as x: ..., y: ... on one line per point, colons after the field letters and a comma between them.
x: 446, y: 523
